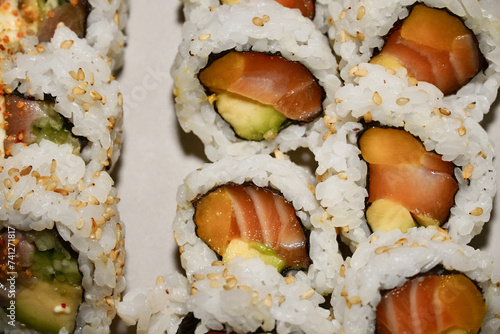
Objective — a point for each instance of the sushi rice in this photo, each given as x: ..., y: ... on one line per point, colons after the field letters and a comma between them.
x: 231, y: 27
x: 359, y: 27
x: 388, y: 259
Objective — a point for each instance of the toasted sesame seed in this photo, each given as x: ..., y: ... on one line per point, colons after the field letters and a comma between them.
x: 390, y: 71
x: 18, y: 203
x: 355, y: 300
x: 214, y: 284
x: 360, y: 36
x: 376, y: 98
x: 258, y: 21
x: 402, y: 101
x: 444, y: 112
x: 73, y: 75
x: 467, y: 172
x: 160, y: 280
x: 353, y: 70
x: 361, y: 12
x: 65, y: 45
x: 116, y: 18
x: 362, y: 72
x: 342, y: 15
x: 61, y: 191
x: 81, y: 206
x: 80, y: 224
x: 93, y: 200
x: 279, y: 155
x: 78, y: 91
x: 86, y: 106
x: 308, y: 294
x: 199, y: 277
x: 476, y: 212
x: 40, y: 48
x: 244, y: 288
x: 80, y: 74
x: 204, y: 37
x: 412, y: 81
x: 381, y: 250
x: 70, y: 98
x: 289, y: 279
x: 25, y: 171
x: 51, y: 185
x: 192, y: 292
x: 462, y: 130
x: 342, y: 271
x: 217, y: 264
x: 368, y: 117
x: 13, y: 171
x: 95, y: 95
x: 9, y: 195
x: 268, y: 301
x: 213, y: 276
x: 230, y: 284
x: 8, y: 183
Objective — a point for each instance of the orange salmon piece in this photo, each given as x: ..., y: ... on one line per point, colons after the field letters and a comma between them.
x: 269, y: 79
x: 432, y: 304
x: 420, y: 190
x: 251, y: 213
x: 306, y: 7
x: 436, y: 46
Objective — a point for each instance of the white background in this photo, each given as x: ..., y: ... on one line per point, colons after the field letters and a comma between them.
x: 157, y: 155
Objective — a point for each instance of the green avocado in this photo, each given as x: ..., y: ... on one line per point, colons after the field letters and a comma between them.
x: 248, y: 250
x: 48, y: 307
x: 50, y: 301
x: 250, y: 119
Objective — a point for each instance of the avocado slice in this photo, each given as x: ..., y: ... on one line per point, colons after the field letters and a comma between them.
x: 250, y: 119
x: 48, y: 307
x: 248, y: 250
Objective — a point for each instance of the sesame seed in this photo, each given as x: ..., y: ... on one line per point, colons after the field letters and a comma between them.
x: 342, y: 271
x: 51, y: 185
x: 192, y: 292
x: 9, y: 195
x: 462, y: 130
x: 390, y: 71
x: 268, y: 301
x: 361, y: 72
x: 78, y: 91
x: 361, y: 12
x: 8, y: 183
x: 73, y: 75
x: 81, y: 206
x: 204, y: 37
x: 230, y: 284
x: 412, y: 81
x: 342, y: 15
x: 80, y: 74
x: 258, y: 21
x: 368, y: 117
x: 308, y: 294
x: 213, y: 276
x: 444, y: 111
x: 18, y: 203
x: 381, y: 250
x: 93, y: 200
x: 355, y: 300
x: 65, y: 45
x: 25, y: 171
x: 214, y: 284
x: 159, y: 280
x: 199, y: 277
x: 116, y: 18
x: 467, y: 172
x: 376, y: 98
x: 289, y: 279
x: 80, y: 223
x: 353, y: 70
x: 61, y: 191
x: 402, y: 101
x: 360, y: 36
x: 476, y: 212
x: 86, y: 106
x: 342, y: 176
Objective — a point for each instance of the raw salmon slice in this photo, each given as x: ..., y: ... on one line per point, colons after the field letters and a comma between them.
x: 252, y: 214
x: 268, y: 79
x: 432, y: 304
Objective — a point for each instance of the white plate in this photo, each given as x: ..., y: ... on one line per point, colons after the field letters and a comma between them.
x: 157, y: 154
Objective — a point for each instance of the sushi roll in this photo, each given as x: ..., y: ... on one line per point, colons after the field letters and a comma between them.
x: 420, y: 282
x: 316, y: 11
x: 225, y: 58
x: 359, y: 170
x: 284, y: 225
x: 61, y: 242
x: 101, y: 23
x: 449, y: 44
x: 63, y: 92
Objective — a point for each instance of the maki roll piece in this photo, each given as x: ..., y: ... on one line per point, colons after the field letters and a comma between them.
x: 100, y: 22
x: 417, y: 282
x: 64, y: 93
x: 247, y: 207
x: 451, y: 46
x: 252, y: 83
x: 393, y: 154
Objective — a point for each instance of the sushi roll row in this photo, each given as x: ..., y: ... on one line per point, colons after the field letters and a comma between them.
x: 61, y: 238
x: 403, y: 174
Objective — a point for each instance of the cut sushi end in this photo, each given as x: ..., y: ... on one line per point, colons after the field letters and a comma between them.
x: 434, y: 46
x: 48, y: 290
x: 250, y: 221
x: 432, y: 304
x: 269, y: 88
x: 408, y: 186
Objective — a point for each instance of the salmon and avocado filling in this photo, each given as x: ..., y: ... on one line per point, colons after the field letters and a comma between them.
x: 250, y: 221
x: 432, y: 304
x: 30, y: 121
x: 434, y: 46
x: 48, y: 283
x: 306, y: 7
x: 23, y: 18
x: 260, y: 94
x: 407, y: 185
